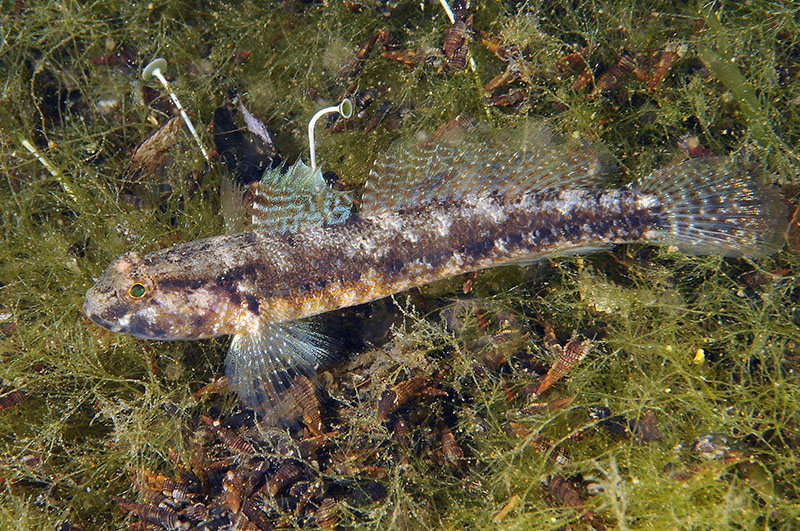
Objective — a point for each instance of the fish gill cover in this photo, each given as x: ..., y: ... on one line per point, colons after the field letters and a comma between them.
x: 677, y: 406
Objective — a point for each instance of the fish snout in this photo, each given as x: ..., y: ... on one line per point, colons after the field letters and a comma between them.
x: 90, y: 310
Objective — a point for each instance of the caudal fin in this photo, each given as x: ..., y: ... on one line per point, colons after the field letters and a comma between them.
x: 716, y: 206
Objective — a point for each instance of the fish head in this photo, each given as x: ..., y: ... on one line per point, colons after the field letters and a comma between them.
x: 133, y: 297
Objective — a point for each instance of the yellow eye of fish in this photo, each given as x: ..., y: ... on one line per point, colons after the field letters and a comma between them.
x: 137, y: 291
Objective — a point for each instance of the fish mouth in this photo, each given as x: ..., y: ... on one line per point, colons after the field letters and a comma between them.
x: 131, y: 325
x: 96, y: 319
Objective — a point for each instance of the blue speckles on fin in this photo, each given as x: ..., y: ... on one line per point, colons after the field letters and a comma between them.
x: 716, y: 206
x: 262, y: 366
x: 297, y: 197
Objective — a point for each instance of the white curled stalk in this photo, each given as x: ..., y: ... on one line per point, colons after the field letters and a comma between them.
x: 448, y: 10
x: 153, y: 71
x: 345, y: 110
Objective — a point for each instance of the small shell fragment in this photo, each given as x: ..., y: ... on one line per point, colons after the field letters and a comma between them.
x: 568, y: 356
x: 397, y: 395
x: 564, y: 492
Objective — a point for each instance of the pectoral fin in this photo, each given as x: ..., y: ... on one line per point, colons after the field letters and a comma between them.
x: 262, y: 366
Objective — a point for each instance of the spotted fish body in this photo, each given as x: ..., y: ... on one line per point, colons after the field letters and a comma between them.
x: 456, y: 203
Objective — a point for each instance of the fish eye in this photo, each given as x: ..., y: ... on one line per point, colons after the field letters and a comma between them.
x: 137, y: 291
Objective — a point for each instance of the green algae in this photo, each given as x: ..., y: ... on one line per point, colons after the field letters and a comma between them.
x: 98, y: 404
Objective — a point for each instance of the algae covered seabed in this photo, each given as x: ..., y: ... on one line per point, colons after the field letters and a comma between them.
x: 683, y: 413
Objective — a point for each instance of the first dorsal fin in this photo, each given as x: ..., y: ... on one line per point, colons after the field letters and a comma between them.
x: 463, y: 158
x: 287, y: 199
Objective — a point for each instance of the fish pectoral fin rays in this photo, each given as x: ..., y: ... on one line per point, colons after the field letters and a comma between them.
x: 267, y: 366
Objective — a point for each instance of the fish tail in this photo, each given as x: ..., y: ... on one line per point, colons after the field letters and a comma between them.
x: 716, y: 206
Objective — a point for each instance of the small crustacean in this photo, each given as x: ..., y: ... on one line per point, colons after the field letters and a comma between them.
x: 537, y: 408
x: 232, y: 491
x: 453, y: 53
x: 386, y: 112
x: 555, y: 453
x: 429, y: 55
x: 305, y: 402
x: 230, y: 439
x: 508, y: 99
x: 397, y: 395
x: 455, y: 43
x: 646, y: 428
x: 666, y: 58
x: 499, y: 346
x: 214, y: 386
x: 568, y: 496
x: 378, y: 116
x: 326, y: 514
x: 512, y: 55
x: 352, y: 66
x: 152, y: 152
x: 227, y: 486
x: 626, y: 64
x: 305, y: 492
x: 564, y: 492
x: 566, y: 358
x: 573, y: 61
x: 165, y: 517
x: 576, y: 63
x: 287, y: 473
x: 347, y: 467
x: 717, y: 452
x: 156, y: 487
x: 451, y: 451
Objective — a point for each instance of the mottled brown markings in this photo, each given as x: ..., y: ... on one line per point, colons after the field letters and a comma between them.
x: 233, y: 296
x: 141, y: 327
x: 200, y: 321
x: 115, y: 312
x: 295, y: 275
x: 231, y: 283
x: 252, y: 303
x: 231, y: 279
x: 514, y: 240
x: 319, y: 255
x: 479, y: 248
x: 180, y: 283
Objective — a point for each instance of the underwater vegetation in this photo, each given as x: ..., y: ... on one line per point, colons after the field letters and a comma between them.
x: 636, y: 388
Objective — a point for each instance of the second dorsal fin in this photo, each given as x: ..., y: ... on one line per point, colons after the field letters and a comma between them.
x: 463, y: 158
